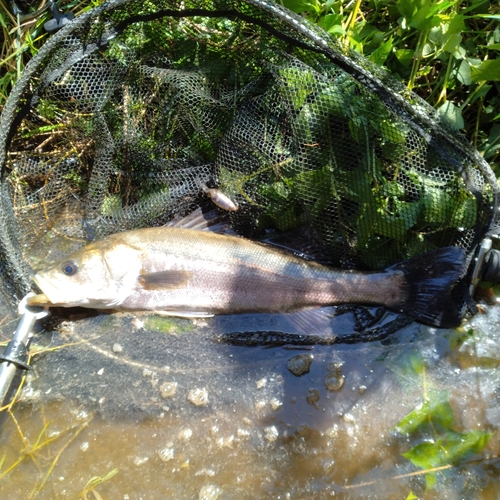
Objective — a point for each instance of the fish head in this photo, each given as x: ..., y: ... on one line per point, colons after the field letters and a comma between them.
x: 101, y: 275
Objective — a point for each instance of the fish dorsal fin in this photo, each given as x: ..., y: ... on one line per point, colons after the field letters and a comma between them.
x: 164, y: 280
x: 199, y: 220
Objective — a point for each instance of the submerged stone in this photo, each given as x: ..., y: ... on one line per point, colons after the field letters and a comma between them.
x: 298, y: 365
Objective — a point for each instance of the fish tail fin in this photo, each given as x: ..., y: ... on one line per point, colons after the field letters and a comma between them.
x: 429, y: 283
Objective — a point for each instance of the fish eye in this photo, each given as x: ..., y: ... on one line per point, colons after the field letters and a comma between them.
x: 69, y: 268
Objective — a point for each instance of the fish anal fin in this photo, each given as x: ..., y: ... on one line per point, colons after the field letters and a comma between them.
x: 165, y: 280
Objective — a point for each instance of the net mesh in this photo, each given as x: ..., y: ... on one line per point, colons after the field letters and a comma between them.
x: 125, y: 117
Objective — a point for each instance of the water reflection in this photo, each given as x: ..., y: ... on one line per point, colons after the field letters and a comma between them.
x: 178, y: 415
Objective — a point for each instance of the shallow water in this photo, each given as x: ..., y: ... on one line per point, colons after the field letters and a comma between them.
x: 181, y: 416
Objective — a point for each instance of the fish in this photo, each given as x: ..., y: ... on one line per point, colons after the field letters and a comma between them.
x: 186, y: 272
x: 219, y: 198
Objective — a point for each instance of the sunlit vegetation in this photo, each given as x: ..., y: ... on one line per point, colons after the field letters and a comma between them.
x: 445, y: 51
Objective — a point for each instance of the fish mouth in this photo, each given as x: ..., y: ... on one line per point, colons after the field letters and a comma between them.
x: 51, y: 294
x: 39, y: 300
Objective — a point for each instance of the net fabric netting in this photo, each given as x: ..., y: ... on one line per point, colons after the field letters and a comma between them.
x: 126, y: 115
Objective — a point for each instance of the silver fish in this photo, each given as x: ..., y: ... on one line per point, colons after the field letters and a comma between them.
x: 183, y: 271
x: 221, y: 199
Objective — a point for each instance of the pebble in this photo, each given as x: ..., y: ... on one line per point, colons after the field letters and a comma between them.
x: 298, y: 365
x: 243, y: 434
x: 260, y: 405
x: 271, y: 433
x: 209, y: 492
x: 328, y: 464
x: 168, y: 389
x: 199, y: 397
x: 225, y: 442
x: 185, y: 434
x: 276, y: 404
x: 166, y: 454
x: 312, y: 397
x: 334, y: 381
x: 140, y: 460
x: 261, y: 383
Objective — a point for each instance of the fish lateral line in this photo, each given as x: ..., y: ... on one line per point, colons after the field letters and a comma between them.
x: 184, y: 314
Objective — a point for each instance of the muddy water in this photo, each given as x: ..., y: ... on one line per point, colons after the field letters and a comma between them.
x: 174, y: 414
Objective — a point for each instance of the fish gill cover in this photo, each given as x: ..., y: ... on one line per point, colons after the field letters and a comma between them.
x: 125, y: 117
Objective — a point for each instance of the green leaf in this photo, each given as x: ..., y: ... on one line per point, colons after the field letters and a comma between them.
x: 416, y: 363
x: 436, y: 206
x: 353, y: 185
x: 463, y: 73
x: 436, y: 411
x: 447, y: 449
x: 447, y: 35
x: 298, y: 84
x: 477, y: 6
x: 430, y: 480
x: 364, y: 225
x: 451, y: 43
x: 487, y: 70
x: 480, y: 92
x: 452, y: 115
x: 456, y: 24
x: 425, y: 455
x: 337, y: 29
x: 392, y: 189
x: 299, y: 6
x: 332, y: 23
x: 470, y: 442
x: 406, y: 8
x: 111, y: 204
x: 380, y: 55
x: 405, y: 57
x: 422, y: 14
x: 493, y: 141
x: 464, y: 214
x: 393, y: 131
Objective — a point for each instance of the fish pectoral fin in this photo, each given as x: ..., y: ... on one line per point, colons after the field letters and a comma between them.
x: 165, y: 279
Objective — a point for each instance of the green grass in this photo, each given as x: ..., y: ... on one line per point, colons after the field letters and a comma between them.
x: 23, y: 34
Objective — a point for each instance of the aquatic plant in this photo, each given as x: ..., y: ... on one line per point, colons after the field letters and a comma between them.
x: 431, y: 428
